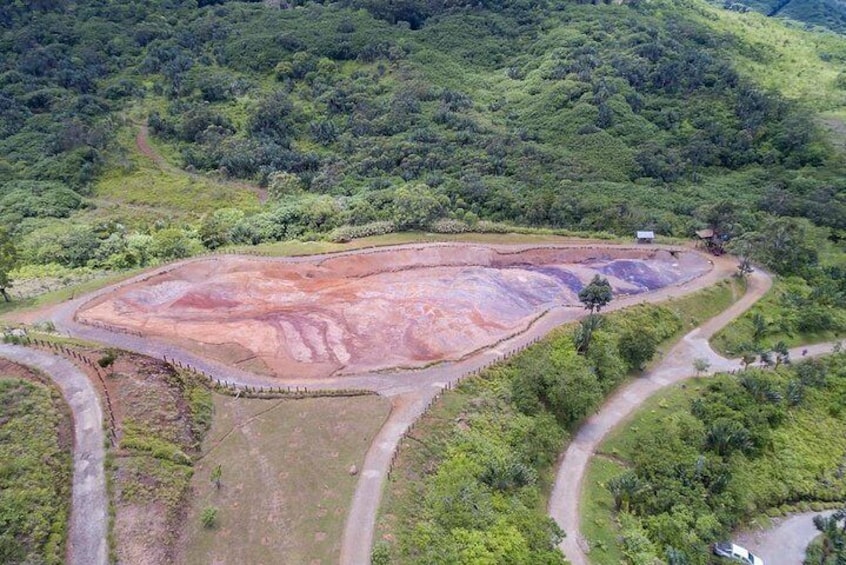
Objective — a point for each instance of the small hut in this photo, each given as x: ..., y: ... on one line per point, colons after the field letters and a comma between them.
x: 645, y: 236
x: 709, y: 239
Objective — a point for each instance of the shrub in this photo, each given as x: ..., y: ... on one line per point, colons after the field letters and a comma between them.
x: 344, y: 234
x: 208, y: 517
x: 107, y: 359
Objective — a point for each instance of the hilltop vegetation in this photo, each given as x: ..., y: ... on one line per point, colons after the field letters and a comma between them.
x: 588, y: 117
x: 830, y: 14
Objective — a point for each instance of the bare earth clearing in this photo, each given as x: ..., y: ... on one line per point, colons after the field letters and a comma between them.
x: 368, y: 312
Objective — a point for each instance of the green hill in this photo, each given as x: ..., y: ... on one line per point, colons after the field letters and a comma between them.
x: 830, y: 14
x: 554, y: 114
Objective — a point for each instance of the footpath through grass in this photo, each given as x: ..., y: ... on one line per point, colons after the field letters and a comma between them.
x: 285, y: 481
x: 35, y: 471
x: 472, y: 478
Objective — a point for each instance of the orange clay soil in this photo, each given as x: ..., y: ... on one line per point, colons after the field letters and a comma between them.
x: 405, y: 307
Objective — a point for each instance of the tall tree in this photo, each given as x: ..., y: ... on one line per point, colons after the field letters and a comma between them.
x: 597, y: 294
x: 8, y: 260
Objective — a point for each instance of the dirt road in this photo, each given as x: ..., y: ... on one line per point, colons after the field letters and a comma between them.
x: 785, y: 542
x: 87, y: 543
x: 676, y: 366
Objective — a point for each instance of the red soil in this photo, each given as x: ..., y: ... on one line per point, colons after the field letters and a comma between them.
x: 379, y: 310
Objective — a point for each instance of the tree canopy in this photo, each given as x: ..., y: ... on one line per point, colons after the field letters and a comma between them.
x: 597, y: 294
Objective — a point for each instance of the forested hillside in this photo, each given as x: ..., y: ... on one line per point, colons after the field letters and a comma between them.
x: 663, y: 115
x: 829, y: 14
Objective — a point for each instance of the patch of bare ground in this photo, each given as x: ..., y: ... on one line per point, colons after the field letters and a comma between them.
x: 161, y: 417
x: 286, y: 478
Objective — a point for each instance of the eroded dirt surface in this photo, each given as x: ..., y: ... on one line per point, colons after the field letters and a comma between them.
x: 372, y: 311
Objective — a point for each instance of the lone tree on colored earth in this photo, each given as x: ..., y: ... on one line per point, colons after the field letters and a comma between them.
x: 596, y: 295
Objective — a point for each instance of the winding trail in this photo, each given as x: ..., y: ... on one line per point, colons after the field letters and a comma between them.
x: 142, y: 143
x: 785, y: 542
x: 410, y: 390
x: 676, y: 366
x: 87, y: 539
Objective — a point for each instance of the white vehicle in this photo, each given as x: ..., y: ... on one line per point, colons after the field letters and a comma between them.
x: 737, y: 553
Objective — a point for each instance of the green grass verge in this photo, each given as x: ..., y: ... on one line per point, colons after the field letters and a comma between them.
x: 35, y: 473
x: 598, y: 525
x: 650, y: 418
x: 782, y: 322
x: 285, y: 481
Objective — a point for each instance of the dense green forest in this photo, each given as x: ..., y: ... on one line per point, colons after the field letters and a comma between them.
x: 830, y: 14
x: 393, y: 116
x: 700, y: 459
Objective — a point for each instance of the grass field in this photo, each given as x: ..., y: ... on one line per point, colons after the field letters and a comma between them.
x: 135, y: 187
x: 598, y: 526
x: 35, y: 469
x: 285, y: 481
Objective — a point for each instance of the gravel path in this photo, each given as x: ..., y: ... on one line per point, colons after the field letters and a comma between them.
x: 675, y: 367
x: 410, y: 390
x: 785, y: 542
x: 87, y: 543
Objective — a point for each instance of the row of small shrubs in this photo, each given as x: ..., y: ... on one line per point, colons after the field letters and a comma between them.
x: 347, y: 233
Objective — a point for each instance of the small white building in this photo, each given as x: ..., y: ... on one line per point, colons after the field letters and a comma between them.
x: 645, y: 236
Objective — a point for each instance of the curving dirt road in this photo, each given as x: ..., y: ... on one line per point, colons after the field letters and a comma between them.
x: 785, y: 542
x: 410, y: 390
x: 87, y: 543
x: 676, y: 366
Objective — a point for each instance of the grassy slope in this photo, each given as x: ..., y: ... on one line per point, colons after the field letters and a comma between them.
x: 285, y: 480
x: 135, y: 189
x: 35, y: 473
x: 782, y: 58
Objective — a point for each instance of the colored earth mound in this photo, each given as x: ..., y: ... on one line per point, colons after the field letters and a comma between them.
x: 405, y: 307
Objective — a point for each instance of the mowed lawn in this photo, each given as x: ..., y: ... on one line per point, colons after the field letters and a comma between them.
x: 285, y: 482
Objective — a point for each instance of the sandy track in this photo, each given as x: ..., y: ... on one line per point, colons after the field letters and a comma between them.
x: 87, y: 543
x: 411, y: 390
x: 676, y: 366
